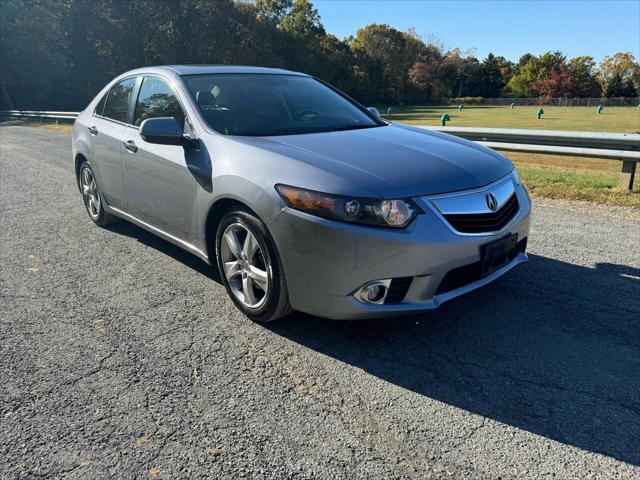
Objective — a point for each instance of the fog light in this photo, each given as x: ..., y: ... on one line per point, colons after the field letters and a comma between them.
x: 374, y: 292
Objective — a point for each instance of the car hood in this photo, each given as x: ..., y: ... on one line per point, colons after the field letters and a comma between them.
x: 394, y: 160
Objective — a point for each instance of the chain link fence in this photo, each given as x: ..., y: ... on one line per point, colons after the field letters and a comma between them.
x: 557, y: 102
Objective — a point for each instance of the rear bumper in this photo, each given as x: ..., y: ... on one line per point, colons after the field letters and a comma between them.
x: 325, y: 261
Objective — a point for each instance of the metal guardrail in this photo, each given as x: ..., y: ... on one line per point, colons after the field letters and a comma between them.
x: 610, y: 143
x: 39, y: 114
x: 624, y: 147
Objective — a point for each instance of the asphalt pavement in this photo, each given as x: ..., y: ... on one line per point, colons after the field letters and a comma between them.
x: 122, y: 357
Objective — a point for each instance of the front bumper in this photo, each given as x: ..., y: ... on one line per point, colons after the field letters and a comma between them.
x: 326, y: 261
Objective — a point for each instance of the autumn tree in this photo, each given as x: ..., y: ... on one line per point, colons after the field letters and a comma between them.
x: 535, y: 69
x: 422, y: 77
x: 57, y: 54
x: 387, y: 54
x: 558, y: 83
x: 619, y: 75
x: 583, y: 71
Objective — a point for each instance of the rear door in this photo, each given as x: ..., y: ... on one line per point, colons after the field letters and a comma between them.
x: 160, y: 189
x: 107, y: 128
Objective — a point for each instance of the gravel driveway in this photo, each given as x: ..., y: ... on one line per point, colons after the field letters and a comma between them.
x: 122, y: 357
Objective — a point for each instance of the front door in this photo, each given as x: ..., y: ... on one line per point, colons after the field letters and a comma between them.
x: 160, y: 189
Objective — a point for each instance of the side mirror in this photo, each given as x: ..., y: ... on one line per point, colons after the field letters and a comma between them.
x: 374, y: 110
x: 162, y: 130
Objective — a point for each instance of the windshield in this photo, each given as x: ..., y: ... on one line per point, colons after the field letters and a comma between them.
x: 263, y: 104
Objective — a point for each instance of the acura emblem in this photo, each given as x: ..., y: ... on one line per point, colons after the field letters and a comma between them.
x: 492, y: 203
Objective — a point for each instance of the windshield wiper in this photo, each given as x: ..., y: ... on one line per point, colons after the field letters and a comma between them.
x: 352, y: 127
x: 302, y: 131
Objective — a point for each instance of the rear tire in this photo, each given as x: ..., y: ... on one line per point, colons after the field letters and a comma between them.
x: 250, y: 266
x: 92, y: 197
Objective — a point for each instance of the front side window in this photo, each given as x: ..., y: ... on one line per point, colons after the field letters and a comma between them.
x: 157, y: 99
x: 117, y: 105
x: 267, y: 104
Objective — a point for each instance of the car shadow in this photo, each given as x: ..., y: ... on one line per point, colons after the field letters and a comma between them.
x: 552, y: 348
x: 128, y: 229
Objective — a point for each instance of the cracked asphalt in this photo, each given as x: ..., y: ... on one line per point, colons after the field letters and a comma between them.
x: 121, y: 357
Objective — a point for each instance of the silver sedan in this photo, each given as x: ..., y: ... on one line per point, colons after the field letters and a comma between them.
x: 303, y: 198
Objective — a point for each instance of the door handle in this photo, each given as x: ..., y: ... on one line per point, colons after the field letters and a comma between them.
x: 131, y: 146
x: 93, y: 131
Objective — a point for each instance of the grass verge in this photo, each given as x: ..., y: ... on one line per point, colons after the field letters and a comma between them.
x: 574, y: 178
x: 62, y: 127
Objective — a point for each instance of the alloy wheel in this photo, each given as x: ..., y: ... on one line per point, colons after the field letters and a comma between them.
x: 245, y: 266
x: 90, y: 193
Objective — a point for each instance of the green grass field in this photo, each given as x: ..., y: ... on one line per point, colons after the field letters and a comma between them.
x: 614, y: 119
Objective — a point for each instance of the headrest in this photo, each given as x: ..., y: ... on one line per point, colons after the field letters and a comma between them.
x: 205, y: 98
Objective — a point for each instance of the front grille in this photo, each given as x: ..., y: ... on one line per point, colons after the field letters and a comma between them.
x: 485, y: 222
x: 398, y: 289
x: 461, y: 276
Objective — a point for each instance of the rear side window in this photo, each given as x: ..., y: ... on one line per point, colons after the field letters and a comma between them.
x: 117, y: 104
x: 157, y: 99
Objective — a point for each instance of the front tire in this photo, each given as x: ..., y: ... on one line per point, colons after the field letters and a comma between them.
x: 250, y: 267
x: 91, y: 196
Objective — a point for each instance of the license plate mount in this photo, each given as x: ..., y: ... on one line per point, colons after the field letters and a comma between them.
x: 495, y: 255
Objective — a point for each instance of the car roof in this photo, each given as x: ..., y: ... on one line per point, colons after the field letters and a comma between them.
x: 204, y: 69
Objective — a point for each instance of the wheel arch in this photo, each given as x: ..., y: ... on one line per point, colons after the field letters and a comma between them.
x: 78, y: 161
x: 213, y: 218
x: 233, y: 190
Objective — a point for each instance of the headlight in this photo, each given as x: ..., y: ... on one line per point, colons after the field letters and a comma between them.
x: 516, y: 177
x: 368, y: 211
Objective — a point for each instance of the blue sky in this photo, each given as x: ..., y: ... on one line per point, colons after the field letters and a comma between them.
x: 504, y: 27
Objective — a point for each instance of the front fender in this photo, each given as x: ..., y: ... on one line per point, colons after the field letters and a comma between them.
x: 265, y: 203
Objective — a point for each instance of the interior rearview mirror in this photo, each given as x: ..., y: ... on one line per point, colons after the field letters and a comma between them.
x: 162, y: 130
x: 374, y: 110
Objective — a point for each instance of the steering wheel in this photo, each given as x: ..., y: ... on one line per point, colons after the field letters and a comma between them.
x: 217, y: 107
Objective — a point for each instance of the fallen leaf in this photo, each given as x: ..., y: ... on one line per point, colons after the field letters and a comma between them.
x: 213, y: 451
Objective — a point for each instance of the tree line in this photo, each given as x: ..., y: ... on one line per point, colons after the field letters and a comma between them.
x: 57, y: 54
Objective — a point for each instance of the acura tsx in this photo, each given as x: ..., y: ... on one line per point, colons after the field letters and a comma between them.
x: 300, y: 196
